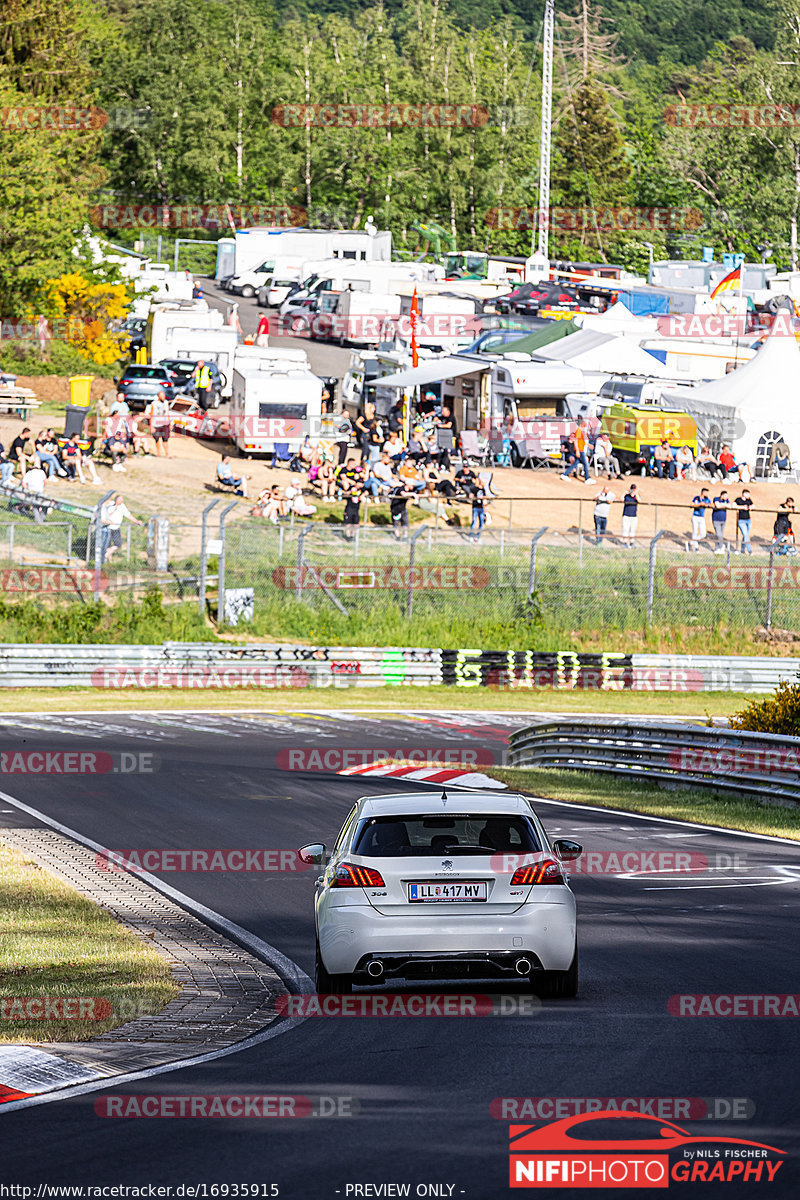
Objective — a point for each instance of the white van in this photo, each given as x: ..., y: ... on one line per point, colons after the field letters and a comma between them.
x: 166, y: 320
x: 276, y: 287
x: 212, y: 345
x: 270, y: 408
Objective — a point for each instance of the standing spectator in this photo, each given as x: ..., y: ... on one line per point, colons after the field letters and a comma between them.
x: 662, y: 456
x: 478, y: 512
x: 112, y: 514
x: 709, y: 463
x: 580, y: 453
x: 353, y: 494
x: 702, y: 504
x: 604, y: 456
x: 120, y: 407
x: 362, y: 428
x: 394, y: 421
x: 399, y: 498
x: 783, y: 521
x: 343, y: 431
x: 602, y: 509
x: 447, y: 423
x: 22, y: 450
x: 201, y: 378
x: 87, y: 462
x: 630, y: 516
x: 719, y: 515
x: 744, y: 520
x: 47, y: 450
x: 157, y: 412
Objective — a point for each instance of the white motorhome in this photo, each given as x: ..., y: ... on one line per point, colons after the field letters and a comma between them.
x: 264, y: 245
x: 693, y: 359
x: 267, y: 358
x: 360, y: 318
x: 269, y: 408
x: 338, y: 276
x: 164, y: 319
x: 162, y: 283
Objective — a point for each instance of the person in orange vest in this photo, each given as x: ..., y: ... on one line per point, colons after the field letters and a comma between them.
x: 580, y: 453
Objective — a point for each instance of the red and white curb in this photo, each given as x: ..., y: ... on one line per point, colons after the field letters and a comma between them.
x: 28, y: 1071
x: 455, y: 776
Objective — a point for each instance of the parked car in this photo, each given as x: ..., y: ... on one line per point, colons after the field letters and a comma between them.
x: 298, y: 318
x: 141, y: 383
x: 273, y: 292
x: 181, y: 371
x: 424, y: 887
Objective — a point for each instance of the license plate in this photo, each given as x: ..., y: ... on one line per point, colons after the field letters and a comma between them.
x: 444, y: 892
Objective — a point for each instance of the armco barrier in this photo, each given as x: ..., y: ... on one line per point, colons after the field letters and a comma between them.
x: 220, y: 665
x: 692, y: 755
x: 214, y: 666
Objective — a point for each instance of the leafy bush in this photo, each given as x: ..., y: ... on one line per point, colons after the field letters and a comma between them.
x: 24, y: 358
x: 779, y: 713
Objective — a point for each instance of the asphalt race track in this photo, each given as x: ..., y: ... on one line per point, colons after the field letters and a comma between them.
x: 424, y: 1086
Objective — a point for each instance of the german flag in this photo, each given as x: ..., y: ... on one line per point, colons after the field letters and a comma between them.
x: 731, y: 283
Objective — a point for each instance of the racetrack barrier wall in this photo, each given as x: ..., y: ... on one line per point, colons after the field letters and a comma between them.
x: 204, y: 665
x: 689, y: 755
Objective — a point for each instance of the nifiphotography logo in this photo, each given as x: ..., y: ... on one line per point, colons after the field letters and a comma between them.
x: 614, y: 1149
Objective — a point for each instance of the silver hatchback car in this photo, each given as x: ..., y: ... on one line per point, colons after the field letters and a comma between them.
x: 422, y: 886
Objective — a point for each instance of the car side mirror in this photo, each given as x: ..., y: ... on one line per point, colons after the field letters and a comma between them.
x: 566, y: 850
x: 314, y: 853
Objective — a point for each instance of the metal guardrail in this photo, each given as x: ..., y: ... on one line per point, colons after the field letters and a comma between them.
x: 711, y: 673
x: 688, y: 755
x: 214, y: 666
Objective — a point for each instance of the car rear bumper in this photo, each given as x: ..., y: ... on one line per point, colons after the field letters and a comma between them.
x: 351, y: 935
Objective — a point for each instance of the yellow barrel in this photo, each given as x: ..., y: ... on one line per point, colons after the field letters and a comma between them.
x: 80, y: 389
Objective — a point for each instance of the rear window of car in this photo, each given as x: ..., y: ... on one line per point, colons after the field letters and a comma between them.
x: 145, y: 373
x: 472, y: 833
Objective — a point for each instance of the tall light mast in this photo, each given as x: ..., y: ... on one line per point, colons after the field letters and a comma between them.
x: 541, y: 252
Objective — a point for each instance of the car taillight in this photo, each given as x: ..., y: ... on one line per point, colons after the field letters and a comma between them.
x: 548, y: 871
x: 123, y: 381
x: 349, y: 875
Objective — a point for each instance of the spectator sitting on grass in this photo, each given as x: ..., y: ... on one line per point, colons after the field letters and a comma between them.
x: 225, y: 475
x: 71, y: 457
x: 34, y: 478
x: 394, y: 446
x: 270, y: 504
x: 381, y: 477
x: 117, y: 441
x: 139, y: 440
x: 325, y: 479
x: 467, y: 480
x: 22, y: 450
x: 87, y: 462
x: 297, y: 502
x: 6, y: 468
x: 47, y: 450
x: 685, y: 462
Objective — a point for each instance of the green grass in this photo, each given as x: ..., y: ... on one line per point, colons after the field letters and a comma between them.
x: 398, y: 701
x: 701, y: 805
x: 56, y: 943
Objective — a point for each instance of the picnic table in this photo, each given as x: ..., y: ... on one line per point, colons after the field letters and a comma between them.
x: 20, y: 400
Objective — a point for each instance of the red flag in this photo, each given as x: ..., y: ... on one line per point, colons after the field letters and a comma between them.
x: 414, y: 314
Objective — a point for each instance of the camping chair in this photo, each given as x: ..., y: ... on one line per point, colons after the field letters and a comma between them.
x: 446, y: 441
x: 486, y: 478
x: 281, y: 454
x: 532, y: 453
x: 471, y: 446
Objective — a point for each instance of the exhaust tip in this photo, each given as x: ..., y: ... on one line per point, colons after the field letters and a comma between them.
x: 523, y: 966
x: 375, y: 968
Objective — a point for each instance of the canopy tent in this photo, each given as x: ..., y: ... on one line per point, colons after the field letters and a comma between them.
x: 752, y: 407
x: 434, y: 370
x: 619, y: 319
x: 600, y: 355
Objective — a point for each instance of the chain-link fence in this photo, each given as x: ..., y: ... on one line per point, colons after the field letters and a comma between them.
x: 570, y: 582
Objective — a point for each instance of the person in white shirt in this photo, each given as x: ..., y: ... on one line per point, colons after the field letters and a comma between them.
x: 602, y: 508
x: 157, y: 413
x: 112, y: 514
x: 297, y: 503
x: 394, y: 446
x: 604, y: 456
x: 34, y: 478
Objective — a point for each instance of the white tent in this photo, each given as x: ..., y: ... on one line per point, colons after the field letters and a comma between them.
x: 619, y: 319
x: 599, y: 355
x: 754, y: 406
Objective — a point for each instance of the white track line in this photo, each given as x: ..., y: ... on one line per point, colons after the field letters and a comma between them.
x: 295, y: 977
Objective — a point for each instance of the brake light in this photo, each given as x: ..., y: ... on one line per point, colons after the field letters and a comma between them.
x: 349, y: 875
x: 127, y: 381
x: 548, y: 871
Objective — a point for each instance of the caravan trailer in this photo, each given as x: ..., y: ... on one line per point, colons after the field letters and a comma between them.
x: 281, y: 406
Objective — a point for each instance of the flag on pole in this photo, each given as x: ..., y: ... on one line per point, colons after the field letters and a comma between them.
x: 414, y: 315
x: 731, y: 283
